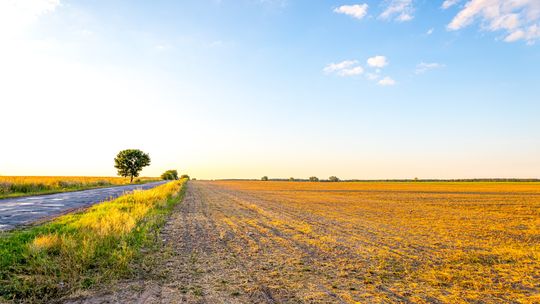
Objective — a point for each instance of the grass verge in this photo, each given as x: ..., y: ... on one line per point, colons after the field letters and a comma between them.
x: 78, y: 251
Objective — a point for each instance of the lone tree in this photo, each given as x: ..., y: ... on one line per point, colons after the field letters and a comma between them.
x: 333, y: 179
x: 170, y: 175
x: 185, y: 176
x: 313, y: 179
x: 264, y: 178
x: 130, y: 162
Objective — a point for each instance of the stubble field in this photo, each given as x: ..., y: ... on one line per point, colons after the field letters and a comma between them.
x: 300, y: 242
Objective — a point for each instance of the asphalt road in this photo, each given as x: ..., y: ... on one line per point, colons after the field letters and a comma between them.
x: 26, y: 210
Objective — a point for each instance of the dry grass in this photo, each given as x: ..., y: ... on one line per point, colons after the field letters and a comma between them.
x: 384, y: 242
x: 11, y: 186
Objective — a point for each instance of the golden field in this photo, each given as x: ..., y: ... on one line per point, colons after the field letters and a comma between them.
x: 27, y: 185
x: 364, y: 242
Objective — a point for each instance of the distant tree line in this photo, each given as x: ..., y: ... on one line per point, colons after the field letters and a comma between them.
x: 336, y: 179
x: 173, y: 175
x: 292, y: 179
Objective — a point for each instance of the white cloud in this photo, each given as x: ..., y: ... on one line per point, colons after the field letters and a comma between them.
x: 430, y: 31
x: 353, y: 68
x: 357, y: 11
x: 377, y: 61
x: 344, y: 68
x: 16, y: 15
x: 339, y: 66
x: 399, y: 10
x: 424, y: 67
x: 357, y: 70
x: 387, y: 81
x: 449, y: 3
x: 519, y: 19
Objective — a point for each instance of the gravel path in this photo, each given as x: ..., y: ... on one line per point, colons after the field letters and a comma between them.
x: 26, y: 210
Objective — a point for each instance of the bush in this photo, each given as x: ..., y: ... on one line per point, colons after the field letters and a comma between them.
x: 170, y: 175
x: 185, y: 176
x: 313, y: 179
x: 264, y: 178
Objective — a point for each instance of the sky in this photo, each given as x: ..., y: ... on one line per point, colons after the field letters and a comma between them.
x: 283, y: 88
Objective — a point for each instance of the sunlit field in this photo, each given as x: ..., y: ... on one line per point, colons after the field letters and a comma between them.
x: 77, y: 251
x: 371, y: 242
x: 12, y: 186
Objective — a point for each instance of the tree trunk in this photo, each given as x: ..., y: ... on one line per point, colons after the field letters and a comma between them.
x: 131, y: 181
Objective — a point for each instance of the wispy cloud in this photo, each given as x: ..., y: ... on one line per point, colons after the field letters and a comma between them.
x: 386, y: 81
x: 344, y: 68
x: 374, y: 65
x: 399, y: 10
x: 449, y: 3
x: 430, y: 31
x: 519, y: 19
x: 377, y: 61
x: 357, y: 11
x: 423, y: 67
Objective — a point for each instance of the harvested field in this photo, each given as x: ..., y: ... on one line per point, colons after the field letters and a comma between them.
x: 291, y: 242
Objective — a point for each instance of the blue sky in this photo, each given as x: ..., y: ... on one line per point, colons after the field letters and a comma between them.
x: 232, y: 89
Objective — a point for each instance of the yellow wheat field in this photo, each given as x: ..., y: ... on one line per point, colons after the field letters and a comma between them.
x: 55, y: 180
x: 384, y: 242
x: 28, y: 185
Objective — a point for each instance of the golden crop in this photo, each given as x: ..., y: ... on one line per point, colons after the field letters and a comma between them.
x: 371, y: 242
x: 55, y: 180
x: 28, y: 185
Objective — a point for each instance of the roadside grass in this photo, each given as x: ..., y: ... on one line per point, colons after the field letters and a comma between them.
x: 81, y: 250
x: 15, y: 186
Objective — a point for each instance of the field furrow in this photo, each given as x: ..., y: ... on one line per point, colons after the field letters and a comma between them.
x: 279, y: 242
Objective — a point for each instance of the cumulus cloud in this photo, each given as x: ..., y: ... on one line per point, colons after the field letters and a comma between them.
x: 387, y: 81
x: 357, y: 11
x: 344, y: 68
x: 15, y: 15
x: 399, y: 10
x: 377, y: 61
x: 519, y: 19
x: 430, y: 31
x: 423, y: 67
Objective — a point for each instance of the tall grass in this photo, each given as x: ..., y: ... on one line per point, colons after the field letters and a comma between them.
x: 13, y: 186
x: 79, y: 250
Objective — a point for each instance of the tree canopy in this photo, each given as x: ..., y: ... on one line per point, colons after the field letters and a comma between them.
x: 130, y: 162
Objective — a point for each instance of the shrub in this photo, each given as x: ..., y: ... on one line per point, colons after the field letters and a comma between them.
x: 170, y: 175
